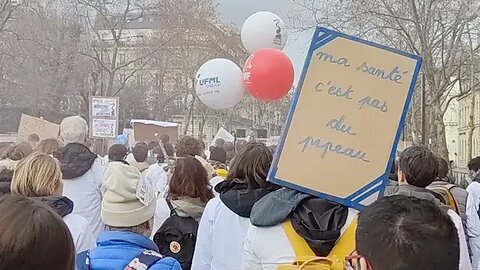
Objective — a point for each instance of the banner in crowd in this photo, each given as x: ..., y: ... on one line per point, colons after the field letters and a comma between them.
x: 34, y: 125
x: 346, y: 119
x: 223, y: 134
x: 104, y: 117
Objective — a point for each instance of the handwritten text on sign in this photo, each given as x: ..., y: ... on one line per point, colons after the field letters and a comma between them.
x: 344, y: 124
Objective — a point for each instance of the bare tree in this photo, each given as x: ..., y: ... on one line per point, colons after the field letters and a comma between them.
x: 436, y: 30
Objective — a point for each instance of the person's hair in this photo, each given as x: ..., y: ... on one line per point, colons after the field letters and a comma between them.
x: 18, y: 151
x: 138, y: 229
x: 48, y: 146
x: 33, y: 137
x: 152, y: 145
x: 190, y: 179
x: 140, y: 152
x: 219, y: 142
x: 474, y: 164
x: 188, y: 146
x: 38, y: 175
x: 73, y: 129
x: 419, y: 166
x: 218, y: 154
x: 228, y: 146
x: 416, y: 231
x: 33, y: 236
x: 443, y: 168
x: 251, y: 165
x: 165, y: 138
x: 117, y: 152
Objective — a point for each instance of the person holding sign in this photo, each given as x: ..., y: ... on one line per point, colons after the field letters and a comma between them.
x: 225, y: 220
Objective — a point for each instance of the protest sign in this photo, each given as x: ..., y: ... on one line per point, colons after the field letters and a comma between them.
x: 223, y: 134
x: 103, y: 117
x: 34, y: 125
x: 151, y: 130
x: 346, y: 119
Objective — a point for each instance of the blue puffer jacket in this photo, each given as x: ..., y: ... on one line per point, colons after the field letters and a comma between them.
x: 115, y: 250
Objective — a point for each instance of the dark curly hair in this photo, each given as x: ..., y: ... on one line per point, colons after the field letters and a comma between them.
x: 188, y: 146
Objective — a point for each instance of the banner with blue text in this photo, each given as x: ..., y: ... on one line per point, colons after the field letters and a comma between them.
x: 346, y: 119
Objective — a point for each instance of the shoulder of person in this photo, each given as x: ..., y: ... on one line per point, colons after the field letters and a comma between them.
x: 167, y: 263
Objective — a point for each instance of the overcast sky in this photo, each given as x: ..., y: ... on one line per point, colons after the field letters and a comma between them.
x: 237, y: 11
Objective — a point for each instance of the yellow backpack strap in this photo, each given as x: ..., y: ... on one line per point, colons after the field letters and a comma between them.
x: 344, y: 246
x: 300, y: 246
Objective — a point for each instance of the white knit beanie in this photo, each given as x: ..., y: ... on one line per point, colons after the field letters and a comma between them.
x: 73, y: 129
x: 121, y: 205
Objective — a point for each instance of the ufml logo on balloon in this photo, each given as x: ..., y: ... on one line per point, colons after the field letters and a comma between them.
x: 209, y: 82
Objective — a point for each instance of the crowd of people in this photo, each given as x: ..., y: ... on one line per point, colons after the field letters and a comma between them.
x: 169, y: 206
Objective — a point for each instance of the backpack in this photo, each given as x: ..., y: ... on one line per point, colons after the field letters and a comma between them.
x: 142, y: 261
x: 176, y: 237
x: 306, y: 258
x: 444, y: 194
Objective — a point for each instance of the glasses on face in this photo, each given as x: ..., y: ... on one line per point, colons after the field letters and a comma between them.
x: 353, y: 260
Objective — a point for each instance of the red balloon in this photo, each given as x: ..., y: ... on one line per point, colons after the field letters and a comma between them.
x: 268, y: 74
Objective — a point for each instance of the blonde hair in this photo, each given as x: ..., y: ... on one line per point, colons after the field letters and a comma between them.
x: 36, y: 176
x: 48, y: 146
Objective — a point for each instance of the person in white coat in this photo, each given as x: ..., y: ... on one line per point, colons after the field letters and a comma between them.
x: 473, y: 218
x: 82, y: 171
x: 138, y: 158
x: 39, y: 176
x: 319, y: 222
x: 157, y: 173
x: 226, y: 218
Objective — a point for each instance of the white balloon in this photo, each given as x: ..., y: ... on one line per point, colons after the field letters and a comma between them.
x: 219, y: 84
x: 264, y: 30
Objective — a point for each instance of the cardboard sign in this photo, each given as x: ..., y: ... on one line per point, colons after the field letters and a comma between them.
x: 346, y: 119
x: 34, y: 125
x: 145, y: 130
x: 223, y: 134
x: 104, y: 117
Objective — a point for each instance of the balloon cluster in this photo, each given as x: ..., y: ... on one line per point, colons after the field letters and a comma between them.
x: 267, y: 75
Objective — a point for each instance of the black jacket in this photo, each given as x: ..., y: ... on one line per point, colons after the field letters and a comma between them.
x: 75, y: 160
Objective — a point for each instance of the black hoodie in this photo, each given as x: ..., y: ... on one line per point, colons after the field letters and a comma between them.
x: 239, y: 198
x: 75, y: 160
x: 318, y: 221
x: 62, y: 205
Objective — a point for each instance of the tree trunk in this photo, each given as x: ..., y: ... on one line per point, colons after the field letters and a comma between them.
x: 471, y: 127
x: 188, y: 116
x: 439, y: 140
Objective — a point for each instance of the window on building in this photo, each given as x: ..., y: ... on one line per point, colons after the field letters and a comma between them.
x: 121, y: 58
x: 151, y: 19
x: 140, y: 19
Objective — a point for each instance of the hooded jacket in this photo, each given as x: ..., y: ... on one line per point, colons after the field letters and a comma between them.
x: 116, y: 249
x: 226, y: 217
x: 318, y: 221
x: 422, y: 193
x: 79, y: 228
x: 183, y: 206
x: 82, y: 178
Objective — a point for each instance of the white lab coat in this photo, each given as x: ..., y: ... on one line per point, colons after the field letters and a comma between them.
x: 473, y: 222
x: 220, y: 238
x: 158, y: 177
x: 268, y: 247
x: 81, y: 232
x: 85, y: 193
